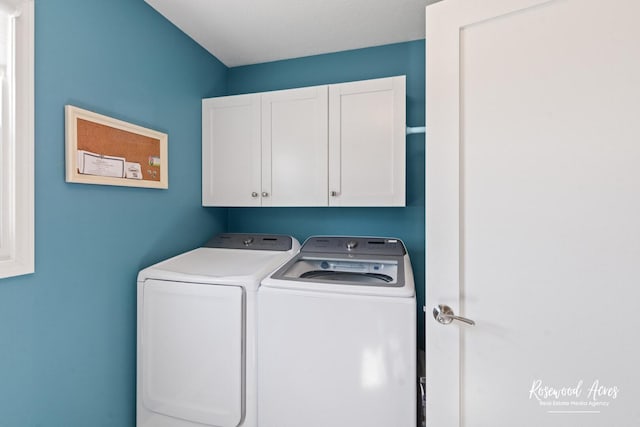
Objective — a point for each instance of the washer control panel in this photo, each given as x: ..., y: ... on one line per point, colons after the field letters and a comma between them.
x: 354, y: 245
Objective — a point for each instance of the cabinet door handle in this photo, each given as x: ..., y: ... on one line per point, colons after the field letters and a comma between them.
x: 254, y: 194
x: 265, y: 194
x: 334, y: 194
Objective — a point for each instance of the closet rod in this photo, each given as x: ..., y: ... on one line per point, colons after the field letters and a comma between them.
x: 416, y: 129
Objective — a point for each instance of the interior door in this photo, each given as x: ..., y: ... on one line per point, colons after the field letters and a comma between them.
x: 533, y: 213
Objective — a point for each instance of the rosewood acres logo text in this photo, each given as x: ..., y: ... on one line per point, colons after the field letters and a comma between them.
x: 578, y: 398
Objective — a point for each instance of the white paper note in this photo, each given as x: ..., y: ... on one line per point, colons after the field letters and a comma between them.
x: 132, y: 170
x: 95, y: 164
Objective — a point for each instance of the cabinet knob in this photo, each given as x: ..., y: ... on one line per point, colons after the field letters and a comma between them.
x: 265, y: 194
x: 334, y: 194
x: 254, y: 194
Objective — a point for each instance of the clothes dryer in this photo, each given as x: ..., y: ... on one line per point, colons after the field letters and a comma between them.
x: 196, y: 355
x: 337, y: 336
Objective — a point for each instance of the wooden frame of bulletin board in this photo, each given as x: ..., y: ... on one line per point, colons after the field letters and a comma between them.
x: 107, y: 151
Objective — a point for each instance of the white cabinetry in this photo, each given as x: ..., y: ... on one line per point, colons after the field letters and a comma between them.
x: 231, y: 151
x: 332, y: 145
x: 367, y: 134
x: 266, y: 149
x: 294, y: 147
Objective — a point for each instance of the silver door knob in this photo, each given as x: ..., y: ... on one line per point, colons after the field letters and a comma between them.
x: 445, y: 315
x: 254, y: 194
x: 265, y: 194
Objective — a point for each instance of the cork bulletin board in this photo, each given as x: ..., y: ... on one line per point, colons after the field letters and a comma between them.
x: 104, y: 150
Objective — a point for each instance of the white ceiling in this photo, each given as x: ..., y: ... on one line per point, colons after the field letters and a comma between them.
x: 242, y: 32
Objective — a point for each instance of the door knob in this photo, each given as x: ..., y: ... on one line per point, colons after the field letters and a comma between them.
x: 254, y: 194
x: 265, y: 194
x: 445, y: 315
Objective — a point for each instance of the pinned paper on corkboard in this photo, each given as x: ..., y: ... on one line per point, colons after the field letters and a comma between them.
x: 107, y: 151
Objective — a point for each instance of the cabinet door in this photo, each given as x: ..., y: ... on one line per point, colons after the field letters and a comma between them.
x: 294, y: 147
x: 231, y: 151
x: 367, y: 130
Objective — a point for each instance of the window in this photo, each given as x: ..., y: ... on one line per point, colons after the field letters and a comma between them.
x: 16, y: 137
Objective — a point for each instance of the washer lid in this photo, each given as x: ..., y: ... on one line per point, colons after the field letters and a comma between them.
x: 339, y: 269
x: 376, y: 266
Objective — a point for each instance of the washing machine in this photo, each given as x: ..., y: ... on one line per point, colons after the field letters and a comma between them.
x: 196, y: 355
x: 337, y: 336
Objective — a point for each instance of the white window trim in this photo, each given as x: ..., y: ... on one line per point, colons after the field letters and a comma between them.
x: 18, y: 176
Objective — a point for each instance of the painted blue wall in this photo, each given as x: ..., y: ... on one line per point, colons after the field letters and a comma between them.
x: 67, y: 332
x: 405, y: 223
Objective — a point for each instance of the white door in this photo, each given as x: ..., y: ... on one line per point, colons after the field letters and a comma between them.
x: 294, y: 147
x: 533, y: 213
x: 367, y: 131
x: 231, y: 151
x: 190, y: 354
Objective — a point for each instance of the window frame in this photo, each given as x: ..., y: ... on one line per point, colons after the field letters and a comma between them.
x: 17, y: 171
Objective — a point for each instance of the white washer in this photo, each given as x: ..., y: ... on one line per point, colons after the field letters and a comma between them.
x: 196, y: 357
x: 337, y: 337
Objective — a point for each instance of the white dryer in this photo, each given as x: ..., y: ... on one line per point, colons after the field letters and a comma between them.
x: 196, y: 355
x: 337, y: 337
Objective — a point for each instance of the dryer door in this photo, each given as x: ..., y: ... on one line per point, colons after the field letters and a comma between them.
x: 192, y: 361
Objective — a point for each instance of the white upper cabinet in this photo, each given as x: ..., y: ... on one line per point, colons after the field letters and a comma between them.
x: 332, y: 145
x: 294, y: 147
x: 231, y: 151
x: 367, y: 133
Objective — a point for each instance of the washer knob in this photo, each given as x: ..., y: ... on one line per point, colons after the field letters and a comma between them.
x: 351, y: 244
x: 248, y: 241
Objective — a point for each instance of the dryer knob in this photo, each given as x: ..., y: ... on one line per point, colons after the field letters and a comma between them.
x: 248, y: 241
x: 351, y: 244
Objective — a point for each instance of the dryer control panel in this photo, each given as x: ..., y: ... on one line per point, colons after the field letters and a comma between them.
x: 259, y: 242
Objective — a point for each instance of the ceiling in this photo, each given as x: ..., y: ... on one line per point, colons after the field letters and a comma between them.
x: 242, y: 32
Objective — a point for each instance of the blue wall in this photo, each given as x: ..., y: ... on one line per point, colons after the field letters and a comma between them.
x: 406, y: 223
x: 67, y: 332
